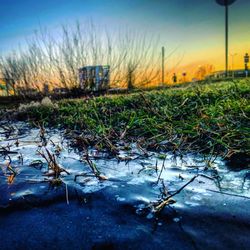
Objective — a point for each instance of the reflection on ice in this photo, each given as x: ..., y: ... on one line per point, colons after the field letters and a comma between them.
x: 150, y: 176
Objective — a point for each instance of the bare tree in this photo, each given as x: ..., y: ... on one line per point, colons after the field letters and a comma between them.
x: 55, y: 58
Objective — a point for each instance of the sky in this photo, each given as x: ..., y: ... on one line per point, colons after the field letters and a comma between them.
x: 194, y: 27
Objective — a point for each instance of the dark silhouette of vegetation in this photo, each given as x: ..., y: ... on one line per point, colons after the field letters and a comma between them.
x: 52, y: 61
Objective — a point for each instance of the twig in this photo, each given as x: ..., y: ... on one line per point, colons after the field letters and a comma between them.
x: 67, y: 194
x: 163, y: 166
x: 168, y: 200
x: 236, y: 195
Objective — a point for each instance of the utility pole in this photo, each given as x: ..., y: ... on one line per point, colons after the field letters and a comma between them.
x: 246, y: 60
x: 162, y: 65
x: 226, y: 39
x: 233, y: 55
x: 184, y: 74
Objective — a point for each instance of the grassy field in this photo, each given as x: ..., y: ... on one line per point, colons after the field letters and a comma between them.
x: 210, y: 118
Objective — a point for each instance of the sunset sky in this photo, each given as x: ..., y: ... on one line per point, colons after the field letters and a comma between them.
x: 194, y: 27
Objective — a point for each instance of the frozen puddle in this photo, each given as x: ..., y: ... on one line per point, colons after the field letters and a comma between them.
x: 133, y: 180
x: 151, y: 173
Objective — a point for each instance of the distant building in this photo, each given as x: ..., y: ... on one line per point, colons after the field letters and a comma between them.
x: 94, y: 77
x: 195, y: 79
x: 60, y: 91
x: 27, y: 91
x: 231, y: 73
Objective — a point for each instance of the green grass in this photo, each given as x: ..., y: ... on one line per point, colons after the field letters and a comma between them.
x: 206, y: 117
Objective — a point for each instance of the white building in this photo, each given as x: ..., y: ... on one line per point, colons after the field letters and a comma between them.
x: 94, y: 77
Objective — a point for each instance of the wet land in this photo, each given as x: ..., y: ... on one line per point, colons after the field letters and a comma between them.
x: 115, y: 175
x: 206, y: 118
x: 120, y: 211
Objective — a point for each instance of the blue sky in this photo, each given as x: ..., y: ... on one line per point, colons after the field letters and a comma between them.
x: 196, y: 26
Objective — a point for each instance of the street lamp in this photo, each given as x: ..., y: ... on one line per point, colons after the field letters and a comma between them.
x: 226, y: 3
x: 162, y: 65
x: 184, y: 74
x: 233, y: 55
x: 246, y: 60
